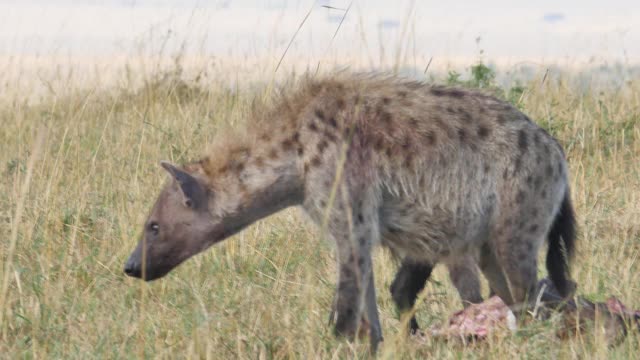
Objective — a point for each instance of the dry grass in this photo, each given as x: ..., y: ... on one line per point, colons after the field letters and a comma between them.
x: 266, y: 292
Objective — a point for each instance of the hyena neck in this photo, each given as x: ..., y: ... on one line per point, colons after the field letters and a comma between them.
x: 250, y: 182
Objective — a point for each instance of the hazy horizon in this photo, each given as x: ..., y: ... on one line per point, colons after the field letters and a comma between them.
x: 375, y: 29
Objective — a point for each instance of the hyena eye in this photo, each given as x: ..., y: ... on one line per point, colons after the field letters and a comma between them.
x: 153, y: 228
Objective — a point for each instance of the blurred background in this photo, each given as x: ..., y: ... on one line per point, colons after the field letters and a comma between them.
x: 373, y: 32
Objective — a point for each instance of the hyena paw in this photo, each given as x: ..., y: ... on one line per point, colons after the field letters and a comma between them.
x: 364, y: 329
x: 346, y: 324
x: 350, y: 328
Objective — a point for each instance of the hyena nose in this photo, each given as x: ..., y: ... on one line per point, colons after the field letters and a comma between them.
x: 132, y: 268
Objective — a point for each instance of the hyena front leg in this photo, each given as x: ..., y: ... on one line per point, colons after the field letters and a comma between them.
x: 407, y: 284
x: 375, y: 329
x: 350, y: 294
x: 412, y: 277
x: 355, y: 298
x: 371, y: 315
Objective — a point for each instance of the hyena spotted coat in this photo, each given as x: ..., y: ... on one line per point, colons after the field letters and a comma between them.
x: 435, y: 174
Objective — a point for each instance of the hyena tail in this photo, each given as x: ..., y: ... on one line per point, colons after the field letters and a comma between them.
x: 562, y: 238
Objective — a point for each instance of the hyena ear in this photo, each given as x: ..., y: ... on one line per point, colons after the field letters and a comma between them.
x: 195, y: 193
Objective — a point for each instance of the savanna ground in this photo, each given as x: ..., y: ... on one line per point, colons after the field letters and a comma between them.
x: 79, y: 171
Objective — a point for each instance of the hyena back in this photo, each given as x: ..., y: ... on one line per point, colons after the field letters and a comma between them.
x: 434, y: 174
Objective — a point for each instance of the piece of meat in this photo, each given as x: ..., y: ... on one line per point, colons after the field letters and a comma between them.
x: 477, y: 321
x: 578, y: 314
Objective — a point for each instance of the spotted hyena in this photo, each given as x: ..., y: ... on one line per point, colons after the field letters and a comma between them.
x: 435, y: 174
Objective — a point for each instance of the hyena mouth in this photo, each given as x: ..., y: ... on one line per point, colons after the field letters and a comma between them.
x: 133, y: 268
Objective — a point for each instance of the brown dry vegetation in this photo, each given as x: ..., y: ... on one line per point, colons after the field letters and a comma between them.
x: 72, y: 205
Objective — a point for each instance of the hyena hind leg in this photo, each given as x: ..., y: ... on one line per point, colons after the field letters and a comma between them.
x: 464, y: 275
x: 511, y: 266
x: 494, y: 273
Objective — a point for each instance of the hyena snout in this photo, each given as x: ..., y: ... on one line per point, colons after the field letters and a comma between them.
x: 133, y: 266
x: 155, y: 258
x: 151, y: 260
x: 152, y: 269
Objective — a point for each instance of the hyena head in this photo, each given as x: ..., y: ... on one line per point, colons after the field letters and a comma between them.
x: 179, y: 226
x: 195, y: 211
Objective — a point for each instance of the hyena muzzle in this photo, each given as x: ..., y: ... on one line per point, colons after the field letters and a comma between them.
x: 435, y: 174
